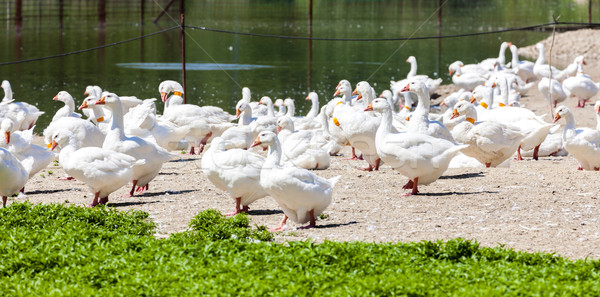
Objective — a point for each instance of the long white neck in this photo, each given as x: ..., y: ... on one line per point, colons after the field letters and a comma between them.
x: 116, y: 126
x: 488, y: 98
x: 570, y: 126
x: 413, y: 69
x: 504, y: 91
x: 540, y: 60
x: 282, y: 109
x: 67, y: 150
x: 501, y: 56
x: 314, y: 108
x: 367, y: 96
x: 347, y: 97
x: 70, y: 104
x: 273, y: 156
x: 245, y: 116
x: 515, y: 57
x: 386, y: 125
x: 291, y: 110
x: 270, y: 111
x: 8, y: 94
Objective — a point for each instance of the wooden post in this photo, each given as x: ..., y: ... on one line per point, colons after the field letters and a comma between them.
x: 60, y: 14
x: 102, y: 13
x: 589, y: 11
x: 142, y: 9
x: 164, y: 11
x: 18, y: 15
x: 439, y: 33
x: 309, y: 66
x: 182, y: 42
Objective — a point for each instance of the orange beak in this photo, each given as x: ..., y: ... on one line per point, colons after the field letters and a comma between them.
x: 454, y: 114
x: 406, y: 60
x: 370, y: 107
x: 358, y: 97
x: 237, y: 113
x: 355, y: 92
x: 83, y: 105
x: 337, y: 92
x: 443, y: 103
x: 307, y: 98
x: 101, y: 101
x: 279, y: 128
x: 509, y: 43
x: 556, y: 118
x: 598, y: 109
x: 7, y: 136
x: 583, y: 62
x: 493, y: 85
x: 85, y: 93
x: 450, y: 72
x: 53, y: 145
x: 406, y: 88
x: 256, y: 142
x: 473, y: 99
x: 55, y: 98
x: 163, y: 96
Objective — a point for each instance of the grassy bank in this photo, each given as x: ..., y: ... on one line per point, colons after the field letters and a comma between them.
x: 53, y: 250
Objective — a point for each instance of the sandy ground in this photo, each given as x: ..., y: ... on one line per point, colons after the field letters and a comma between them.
x: 544, y: 205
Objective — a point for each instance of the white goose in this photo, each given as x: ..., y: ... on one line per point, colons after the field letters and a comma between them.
x: 152, y: 155
x: 204, y: 122
x: 257, y: 109
x: 359, y: 126
x: 141, y: 121
x: 69, y: 109
x: 13, y: 174
x: 553, y: 91
x: 301, y: 194
x: 98, y: 115
x: 236, y: 171
x: 127, y: 102
x: 302, y: 148
x: 267, y: 122
x: 21, y: 146
x: 421, y: 158
x: 419, y: 121
x: 581, y: 86
x: 491, y: 143
x: 469, y: 68
x: 582, y: 143
x: 86, y: 133
x: 240, y: 136
x: 535, y: 128
x: 524, y: 69
x: 465, y: 80
x: 332, y: 147
x: 489, y: 63
x: 28, y: 114
x: 541, y: 69
x: 432, y: 84
x: 103, y: 171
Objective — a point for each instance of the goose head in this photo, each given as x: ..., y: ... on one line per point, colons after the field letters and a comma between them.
x: 278, y: 102
x: 561, y: 112
x: 379, y: 105
x: 266, y: 100
x: 540, y: 47
x: 5, y: 84
x: 455, y: 67
x: 464, y: 108
x: 110, y: 100
x: 417, y: 87
x: 411, y: 59
x: 288, y: 102
x: 241, y: 106
x: 61, y: 138
x: 63, y: 96
x: 89, y: 100
x: 265, y: 139
x: 169, y: 86
x: 312, y: 96
x: 95, y: 91
x: 363, y: 89
x: 387, y: 94
x: 285, y: 123
x: 343, y: 82
x: 7, y: 126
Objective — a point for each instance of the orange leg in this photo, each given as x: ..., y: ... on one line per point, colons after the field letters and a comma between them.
x: 280, y: 227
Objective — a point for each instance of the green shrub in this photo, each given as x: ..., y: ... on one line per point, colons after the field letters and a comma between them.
x: 53, y: 250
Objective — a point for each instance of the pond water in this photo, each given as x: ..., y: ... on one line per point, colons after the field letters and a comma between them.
x: 220, y: 64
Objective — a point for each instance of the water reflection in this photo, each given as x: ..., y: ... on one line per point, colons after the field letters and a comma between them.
x: 192, y: 66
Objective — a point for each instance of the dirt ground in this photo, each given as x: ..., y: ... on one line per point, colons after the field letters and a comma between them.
x: 533, y: 206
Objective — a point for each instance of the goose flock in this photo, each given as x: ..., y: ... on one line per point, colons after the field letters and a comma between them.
x: 122, y: 140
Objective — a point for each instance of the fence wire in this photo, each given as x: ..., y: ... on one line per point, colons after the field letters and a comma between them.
x: 582, y: 25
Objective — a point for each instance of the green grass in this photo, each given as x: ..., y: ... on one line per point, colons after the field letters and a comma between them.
x: 53, y: 250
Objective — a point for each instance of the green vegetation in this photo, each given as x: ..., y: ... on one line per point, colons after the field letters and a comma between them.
x: 53, y: 250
